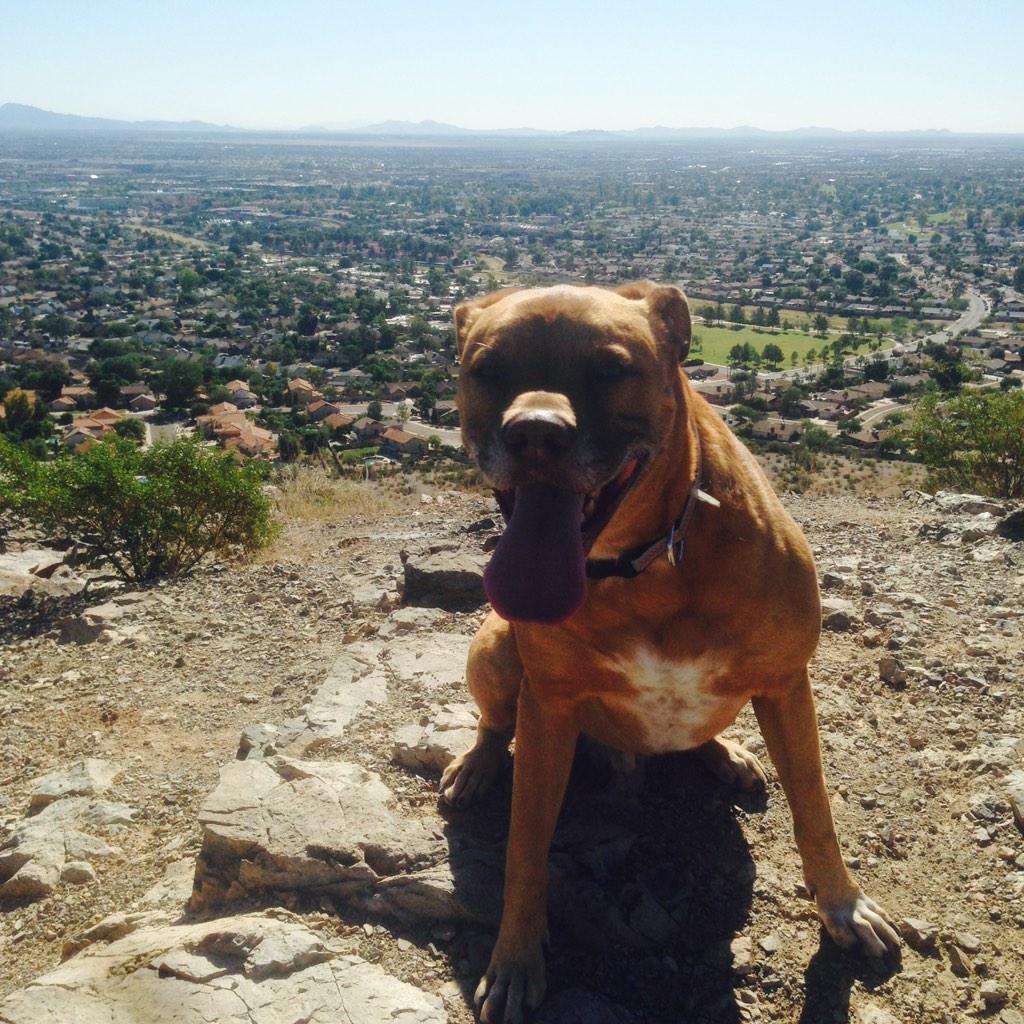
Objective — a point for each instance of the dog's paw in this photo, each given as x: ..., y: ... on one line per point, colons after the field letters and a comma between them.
x: 509, y: 988
x: 858, y: 921
x: 471, y: 774
x: 733, y: 763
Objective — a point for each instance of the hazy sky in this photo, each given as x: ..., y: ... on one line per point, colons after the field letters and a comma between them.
x: 955, y: 64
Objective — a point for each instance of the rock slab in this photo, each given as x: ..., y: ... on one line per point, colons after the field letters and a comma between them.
x: 267, y: 968
x: 287, y: 824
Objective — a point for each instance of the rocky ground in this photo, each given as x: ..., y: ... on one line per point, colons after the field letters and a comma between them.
x: 219, y: 793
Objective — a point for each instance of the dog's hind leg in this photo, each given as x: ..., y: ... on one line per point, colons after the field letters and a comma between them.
x: 494, y: 674
x: 732, y: 763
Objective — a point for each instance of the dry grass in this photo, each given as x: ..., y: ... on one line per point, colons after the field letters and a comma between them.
x: 308, y: 495
x: 307, y: 501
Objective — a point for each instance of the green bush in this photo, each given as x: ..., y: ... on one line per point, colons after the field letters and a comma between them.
x: 975, y: 440
x: 148, y: 513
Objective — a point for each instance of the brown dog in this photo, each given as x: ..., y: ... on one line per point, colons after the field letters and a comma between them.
x: 649, y: 584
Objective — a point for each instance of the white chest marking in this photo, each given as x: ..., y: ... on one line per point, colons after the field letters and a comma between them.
x: 675, y: 700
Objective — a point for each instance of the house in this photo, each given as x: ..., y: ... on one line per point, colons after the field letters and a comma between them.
x: 870, y: 389
x: 130, y: 391
x: 300, y: 392
x: 719, y: 392
x: 400, y: 442
x: 233, y: 430
x: 774, y: 428
x: 249, y: 440
x: 241, y: 395
x: 77, y: 439
x: 244, y: 399
x: 221, y: 409
x: 62, y: 404
x: 319, y: 410
x: 339, y: 421
x: 446, y: 414
x: 106, y: 416
x: 83, y: 397
x: 142, y: 403
x: 367, y: 429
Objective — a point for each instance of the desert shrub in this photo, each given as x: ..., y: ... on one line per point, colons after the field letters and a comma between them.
x: 153, y: 512
x: 975, y: 440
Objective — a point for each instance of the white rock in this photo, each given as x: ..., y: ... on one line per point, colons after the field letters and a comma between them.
x: 284, y: 824
x: 78, y: 872
x: 431, y: 660
x: 35, y: 853
x: 449, y: 730
x: 267, y: 968
x: 88, y: 777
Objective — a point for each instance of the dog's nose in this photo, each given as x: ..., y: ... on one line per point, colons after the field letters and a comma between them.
x: 538, y: 434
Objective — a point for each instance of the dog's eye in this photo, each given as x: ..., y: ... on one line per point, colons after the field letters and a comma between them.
x: 486, y: 370
x: 612, y: 369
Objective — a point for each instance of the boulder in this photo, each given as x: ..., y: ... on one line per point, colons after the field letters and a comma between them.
x: 447, y: 576
x: 267, y: 968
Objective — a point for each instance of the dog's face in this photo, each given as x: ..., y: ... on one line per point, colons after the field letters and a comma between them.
x: 564, y: 394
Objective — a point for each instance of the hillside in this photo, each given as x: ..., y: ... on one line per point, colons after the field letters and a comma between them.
x: 673, y: 898
x: 22, y: 117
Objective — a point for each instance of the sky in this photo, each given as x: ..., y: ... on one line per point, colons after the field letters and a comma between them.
x: 560, y: 64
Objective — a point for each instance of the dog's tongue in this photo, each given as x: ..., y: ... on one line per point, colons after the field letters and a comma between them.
x: 538, y: 570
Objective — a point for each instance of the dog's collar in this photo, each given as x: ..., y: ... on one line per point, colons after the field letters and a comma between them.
x: 673, y: 543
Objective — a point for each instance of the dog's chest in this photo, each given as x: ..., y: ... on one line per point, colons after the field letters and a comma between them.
x: 674, y: 703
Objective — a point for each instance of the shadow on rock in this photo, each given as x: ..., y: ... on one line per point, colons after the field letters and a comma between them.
x: 829, y: 979
x: 651, y: 877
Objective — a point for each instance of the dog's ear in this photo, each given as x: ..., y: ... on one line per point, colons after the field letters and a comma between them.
x: 668, y: 312
x: 467, y: 312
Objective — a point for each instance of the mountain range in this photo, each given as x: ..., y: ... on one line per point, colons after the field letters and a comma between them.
x: 19, y: 117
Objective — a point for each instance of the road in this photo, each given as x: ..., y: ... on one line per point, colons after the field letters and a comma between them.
x: 977, y: 309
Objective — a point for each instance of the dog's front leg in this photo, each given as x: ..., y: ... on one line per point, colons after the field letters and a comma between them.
x: 545, y: 744
x: 790, y: 729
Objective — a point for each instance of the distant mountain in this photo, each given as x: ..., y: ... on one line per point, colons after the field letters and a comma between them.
x: 19, y: 117
x: 414, y: 128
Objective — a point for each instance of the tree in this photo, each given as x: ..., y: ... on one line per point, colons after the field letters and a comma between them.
x: 773, y: 355
x: 307, y: 322
x: 178, y: 381
x: 375, y: 410
x: 132, y: 429
x: 821, y: 325
x: 288, y: 446
x: 188, y: 280
x: 973, y: 441
x: 151, y: 512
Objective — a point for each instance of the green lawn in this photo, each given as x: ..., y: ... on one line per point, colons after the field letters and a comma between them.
x: 717, y: 341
